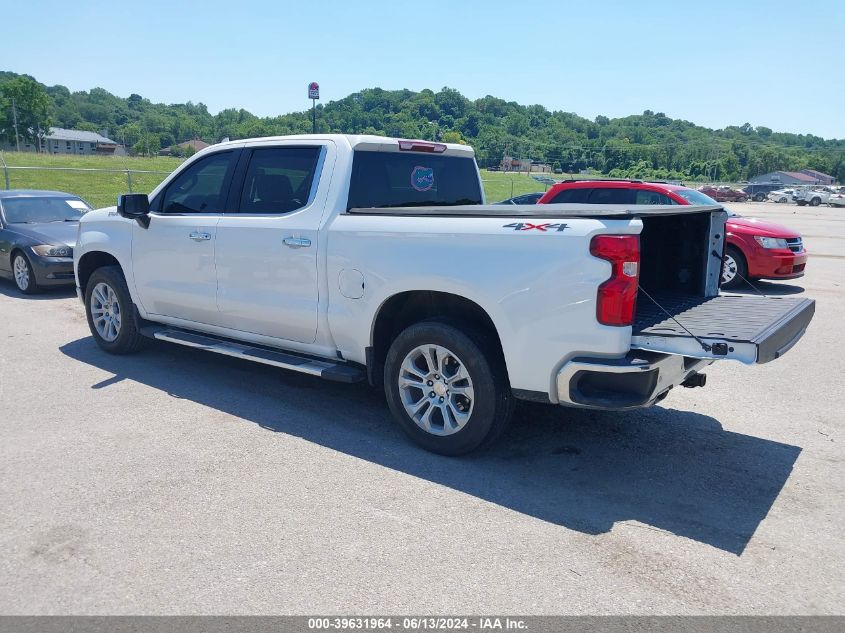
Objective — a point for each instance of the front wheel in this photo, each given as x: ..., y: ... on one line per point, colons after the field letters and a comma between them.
x: 815, y: 202
x: 734, y: 268
x: 23, y: 274
x: 759, y: 197
x: 447, y: 388
x: 112, y: 317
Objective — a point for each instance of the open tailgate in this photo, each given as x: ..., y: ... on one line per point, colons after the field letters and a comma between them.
x: 743, y: 328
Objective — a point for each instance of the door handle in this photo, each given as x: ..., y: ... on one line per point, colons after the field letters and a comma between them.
x: 297, y: 242
x: 199, y: 237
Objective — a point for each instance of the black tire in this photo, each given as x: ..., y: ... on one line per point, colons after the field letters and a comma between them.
x: 493, y: 401
x: 741, y: 268
x: 801, y: 203
x: 759, y: 197
x: 815, y: 202
x: 129, y: 338
x: 31, y: 286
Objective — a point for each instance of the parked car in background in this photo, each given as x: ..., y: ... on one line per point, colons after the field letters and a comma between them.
x: 814, y: 196
x: 755, y: 249
x: 527, y: 198
x: 837, y: 199
x: 37, y: 236
x: 758, y: 192
x: 781, y: 195
x: 724, y: 194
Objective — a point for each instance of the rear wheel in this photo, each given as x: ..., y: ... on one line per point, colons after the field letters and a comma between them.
x: 23, y: 274
x: 447, y: 389
x: 759, y: 197
x: 815, y: 202
x: 112, y: 317
x: 734, y: 268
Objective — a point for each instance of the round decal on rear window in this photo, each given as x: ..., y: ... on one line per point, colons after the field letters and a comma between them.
x: 422, y: 178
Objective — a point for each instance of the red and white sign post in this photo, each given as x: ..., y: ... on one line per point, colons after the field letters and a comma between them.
x: 313, y: 94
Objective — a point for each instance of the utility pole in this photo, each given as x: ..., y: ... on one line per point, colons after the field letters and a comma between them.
x: 15, y: 117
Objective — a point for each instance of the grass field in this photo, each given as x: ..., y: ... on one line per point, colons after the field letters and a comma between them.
x: 501, y: 186
x: 100, y: 188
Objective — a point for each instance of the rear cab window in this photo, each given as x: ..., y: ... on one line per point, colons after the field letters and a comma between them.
x: 399, y: 179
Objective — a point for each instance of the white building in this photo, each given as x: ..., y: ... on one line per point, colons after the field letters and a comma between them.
x: 61, y: 141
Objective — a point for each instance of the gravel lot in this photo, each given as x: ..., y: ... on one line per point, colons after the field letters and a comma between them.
x: 179, y: 482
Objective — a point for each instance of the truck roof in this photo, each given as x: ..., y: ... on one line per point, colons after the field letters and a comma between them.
x: 369, y: 142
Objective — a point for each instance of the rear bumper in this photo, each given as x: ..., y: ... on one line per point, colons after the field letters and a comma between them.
x: 637, y: 380
x: 52, y: 271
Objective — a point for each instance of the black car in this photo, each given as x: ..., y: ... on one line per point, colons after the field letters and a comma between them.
x: 528, y: 198
x: 758, y: 192
x: 37, y: 236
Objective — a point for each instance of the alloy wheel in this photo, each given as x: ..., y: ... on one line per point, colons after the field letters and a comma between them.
x: 21, y: 272
x: 729, y: 267
x: 436, y: 389
x: 105, y: 312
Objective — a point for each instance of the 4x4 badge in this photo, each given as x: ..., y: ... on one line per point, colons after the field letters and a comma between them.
x: 527, y: 226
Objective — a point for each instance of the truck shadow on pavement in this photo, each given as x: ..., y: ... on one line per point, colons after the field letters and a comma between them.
x: 662, y: 469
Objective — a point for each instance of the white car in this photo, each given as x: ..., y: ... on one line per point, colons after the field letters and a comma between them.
x: 836, y: 200
x: 813, y: 196
x: 362, y: 258
x: 781, y: 195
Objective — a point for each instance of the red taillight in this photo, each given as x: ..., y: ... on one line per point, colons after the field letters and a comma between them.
x: 617, y: 297
x: 421, y: 146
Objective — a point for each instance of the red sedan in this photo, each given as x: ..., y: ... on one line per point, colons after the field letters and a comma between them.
x: 724, y: 194
x: 755, y: 249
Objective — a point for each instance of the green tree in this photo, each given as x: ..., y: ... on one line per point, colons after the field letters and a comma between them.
x: 149, y: 145
x: 32, y: 106
x: 452, y: 136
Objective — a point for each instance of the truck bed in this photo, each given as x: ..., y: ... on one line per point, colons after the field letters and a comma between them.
x: 538, y: 210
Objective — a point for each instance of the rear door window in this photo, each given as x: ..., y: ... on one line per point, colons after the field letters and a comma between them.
x: 279, y: 179
x: 612, y: 195
x: 398, y: 179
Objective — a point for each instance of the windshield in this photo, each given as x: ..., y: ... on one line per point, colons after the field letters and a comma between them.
x: 695, y: 197
x: 39, y: 210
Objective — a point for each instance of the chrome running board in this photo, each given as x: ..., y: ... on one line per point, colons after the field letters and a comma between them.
x: 330, y: 370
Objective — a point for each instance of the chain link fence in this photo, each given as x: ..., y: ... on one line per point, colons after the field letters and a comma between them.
x: 98, y: 186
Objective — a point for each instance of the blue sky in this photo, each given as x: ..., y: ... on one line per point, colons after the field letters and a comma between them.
x: 715, y: 63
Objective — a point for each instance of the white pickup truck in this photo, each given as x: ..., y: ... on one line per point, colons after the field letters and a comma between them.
x: 367, y: 258
x: 814, y: 196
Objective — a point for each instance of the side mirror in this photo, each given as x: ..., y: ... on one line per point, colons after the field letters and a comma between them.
x: 133, y: 206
